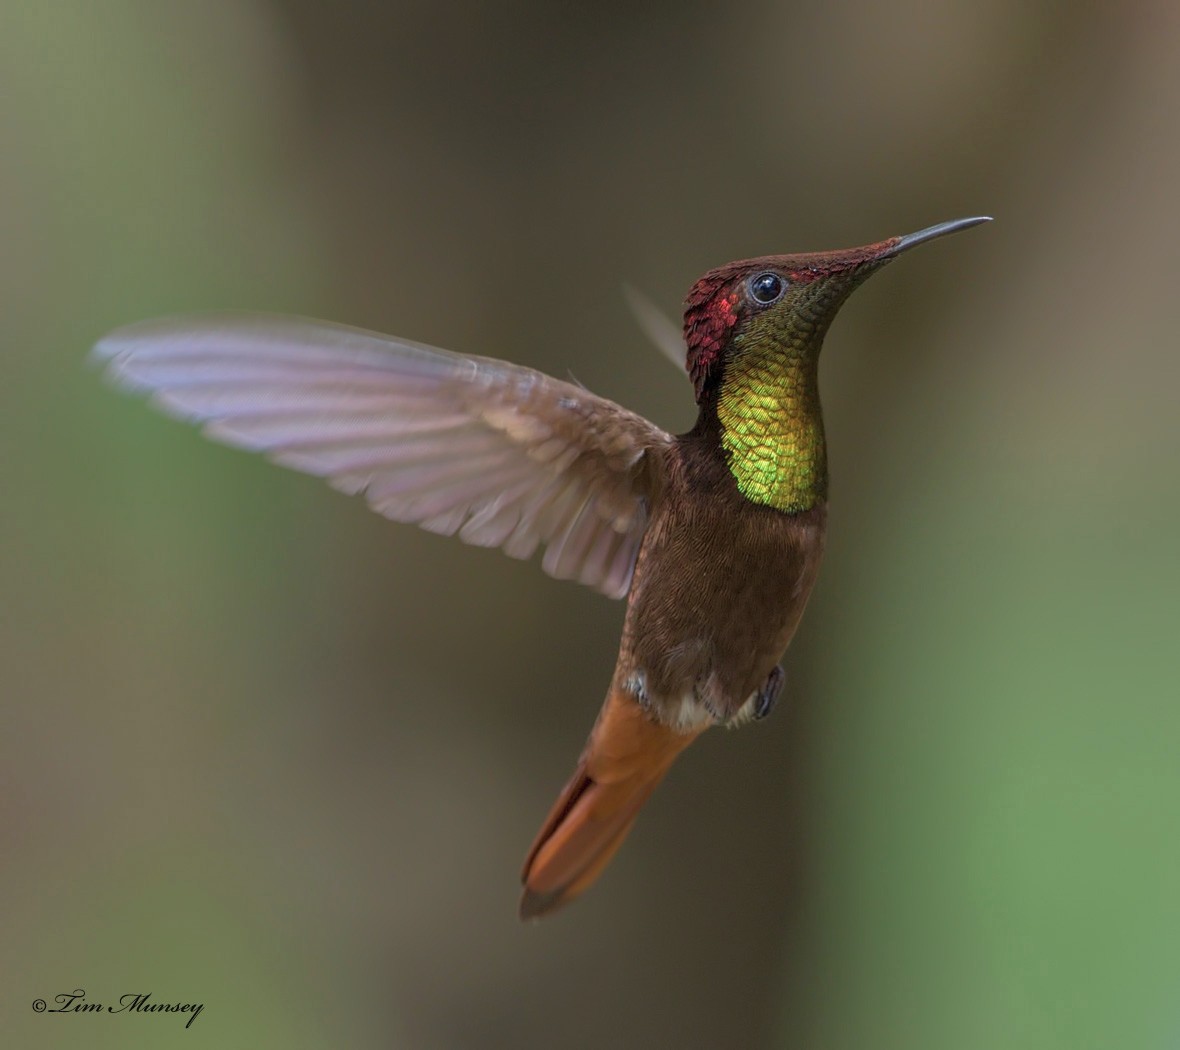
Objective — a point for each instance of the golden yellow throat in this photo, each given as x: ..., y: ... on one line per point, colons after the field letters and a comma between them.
x: 771, y: 427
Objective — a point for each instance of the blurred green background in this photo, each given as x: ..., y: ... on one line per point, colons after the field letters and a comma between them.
x: 262, y: 749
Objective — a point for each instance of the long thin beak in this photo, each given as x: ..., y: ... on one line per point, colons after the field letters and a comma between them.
x: 905, y: 243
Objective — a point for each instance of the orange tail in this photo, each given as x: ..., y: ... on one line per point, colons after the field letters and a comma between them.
x: 625, y: 758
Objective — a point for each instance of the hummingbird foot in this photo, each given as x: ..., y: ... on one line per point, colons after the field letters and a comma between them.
x: 767, y: 696
x: 636, y: 685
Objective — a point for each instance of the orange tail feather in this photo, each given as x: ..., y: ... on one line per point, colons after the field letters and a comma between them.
x: 627, y: 755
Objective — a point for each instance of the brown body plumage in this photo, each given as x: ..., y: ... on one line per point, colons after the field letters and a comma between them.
x: 700, y: 641
x: 699, y: 644
x: 715, y: 536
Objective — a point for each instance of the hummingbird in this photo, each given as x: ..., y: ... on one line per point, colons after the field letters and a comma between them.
x: 713, y: 536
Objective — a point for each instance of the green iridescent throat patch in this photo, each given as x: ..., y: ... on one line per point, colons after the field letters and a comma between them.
x: 772, y: 429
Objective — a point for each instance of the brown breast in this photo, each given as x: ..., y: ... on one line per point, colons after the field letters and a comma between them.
x: 719, y: 589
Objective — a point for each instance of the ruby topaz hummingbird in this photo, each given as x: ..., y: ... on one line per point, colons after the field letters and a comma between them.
x: 714, y: 536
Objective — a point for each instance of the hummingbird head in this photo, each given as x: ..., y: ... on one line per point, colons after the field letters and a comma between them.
x: 786, y: 299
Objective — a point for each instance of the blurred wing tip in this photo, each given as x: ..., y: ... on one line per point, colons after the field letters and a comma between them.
x: 109, y: 362
x: 106, y: 350
x: 656, y: 325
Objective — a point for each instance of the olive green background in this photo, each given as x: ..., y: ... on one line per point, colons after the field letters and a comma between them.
x: 261, y: 749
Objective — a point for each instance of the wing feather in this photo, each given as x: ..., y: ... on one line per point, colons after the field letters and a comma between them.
x: 502, y: 455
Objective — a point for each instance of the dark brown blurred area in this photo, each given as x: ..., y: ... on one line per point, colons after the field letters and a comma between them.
x: 263, y: 749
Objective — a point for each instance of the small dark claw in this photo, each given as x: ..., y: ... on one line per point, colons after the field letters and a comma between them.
x: 768, y: 694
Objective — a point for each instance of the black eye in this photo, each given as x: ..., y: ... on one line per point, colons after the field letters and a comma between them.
x: 766, y: 288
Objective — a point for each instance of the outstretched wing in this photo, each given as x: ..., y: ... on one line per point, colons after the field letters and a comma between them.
x: 505, y: 456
